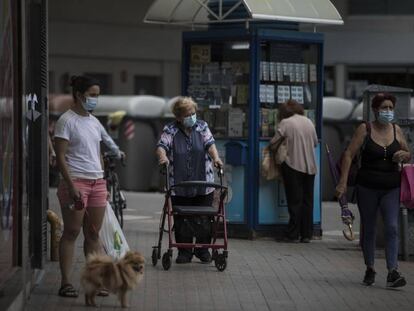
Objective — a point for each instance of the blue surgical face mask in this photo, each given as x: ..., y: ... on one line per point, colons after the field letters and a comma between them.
x: 90, y: 103
x: 190, y: 120
x: 385, y: 116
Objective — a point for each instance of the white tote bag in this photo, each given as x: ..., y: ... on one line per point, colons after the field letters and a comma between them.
x: 111, y: 235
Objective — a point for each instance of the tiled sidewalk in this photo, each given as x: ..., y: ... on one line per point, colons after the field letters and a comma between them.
x: 261, y: 274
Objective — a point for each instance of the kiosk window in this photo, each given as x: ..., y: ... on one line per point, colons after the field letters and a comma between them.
x: 218, y: 80
x: 287, y: 71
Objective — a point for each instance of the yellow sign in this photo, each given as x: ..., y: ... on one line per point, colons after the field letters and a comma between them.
x: 200, y: 54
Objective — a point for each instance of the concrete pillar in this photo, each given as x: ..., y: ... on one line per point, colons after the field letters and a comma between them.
x: 341, y: 77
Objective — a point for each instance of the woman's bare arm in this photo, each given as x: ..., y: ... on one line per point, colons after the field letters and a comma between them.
x: 61, y: 146
x: 162, y: 156
x: 403, y: 155
x: 212, y: 151
x: 350, y: 152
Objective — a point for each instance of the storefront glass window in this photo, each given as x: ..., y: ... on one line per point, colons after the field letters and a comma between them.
x: 6, y: 140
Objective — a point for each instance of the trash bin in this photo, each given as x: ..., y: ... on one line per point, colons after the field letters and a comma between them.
x: 406, y: 249
x: 406, y: 234
x: 338, y: 128
x: 137, y: 136
x: 236, y: 153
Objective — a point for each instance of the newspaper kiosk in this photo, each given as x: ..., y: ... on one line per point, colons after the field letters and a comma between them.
x: 250, y: 59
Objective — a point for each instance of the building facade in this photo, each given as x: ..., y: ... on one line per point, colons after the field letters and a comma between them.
x: 43, y: 43
x: 109, y: 41
x: 374, y: 46
x: 130, y: 57
x: 23, y: 148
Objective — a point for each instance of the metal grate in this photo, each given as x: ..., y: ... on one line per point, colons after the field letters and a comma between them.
x: 43, y: 46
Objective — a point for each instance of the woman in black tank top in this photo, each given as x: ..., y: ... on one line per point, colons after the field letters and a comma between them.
x: 383, y: 148
x: 378, y: 170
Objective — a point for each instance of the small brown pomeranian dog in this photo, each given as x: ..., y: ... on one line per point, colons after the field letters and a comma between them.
x: 118, y: 277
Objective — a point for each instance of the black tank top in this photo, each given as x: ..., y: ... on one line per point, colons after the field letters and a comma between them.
x: 378, y: 171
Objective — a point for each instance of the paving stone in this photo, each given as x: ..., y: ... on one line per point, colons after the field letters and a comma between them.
x: 261, y: 275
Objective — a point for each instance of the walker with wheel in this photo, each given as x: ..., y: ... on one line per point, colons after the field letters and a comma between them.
x: 216, y: 212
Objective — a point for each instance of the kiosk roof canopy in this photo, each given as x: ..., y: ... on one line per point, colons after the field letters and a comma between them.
x: 202, y: 12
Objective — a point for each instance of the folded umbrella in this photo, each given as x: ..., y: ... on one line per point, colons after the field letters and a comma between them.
x: 346, y: 214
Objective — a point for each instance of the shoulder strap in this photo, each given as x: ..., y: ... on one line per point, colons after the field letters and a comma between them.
x: 368, y: 126
x: 275, y: 146
x: 395, y: 134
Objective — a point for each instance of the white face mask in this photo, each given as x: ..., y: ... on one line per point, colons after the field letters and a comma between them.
x: 190, y: 120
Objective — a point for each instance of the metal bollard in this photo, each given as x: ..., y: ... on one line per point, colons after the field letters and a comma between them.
x: 55, y: 234
x: 404, y: 233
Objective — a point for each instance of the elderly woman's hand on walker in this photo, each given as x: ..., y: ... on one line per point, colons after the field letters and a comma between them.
x: 218, y: 163
x: 162, y: 156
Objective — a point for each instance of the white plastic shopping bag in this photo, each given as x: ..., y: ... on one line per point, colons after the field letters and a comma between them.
x: 112, y: 237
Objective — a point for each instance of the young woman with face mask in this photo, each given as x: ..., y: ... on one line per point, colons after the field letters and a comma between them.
x: 378, y: 183
x: 187, y: 145
x: 82, y: 190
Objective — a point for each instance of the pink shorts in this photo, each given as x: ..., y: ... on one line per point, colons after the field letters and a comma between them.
x: 94, y: 192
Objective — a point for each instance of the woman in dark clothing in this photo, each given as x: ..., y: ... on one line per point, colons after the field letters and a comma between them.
x: 188, y: 146
x: 378, y: 183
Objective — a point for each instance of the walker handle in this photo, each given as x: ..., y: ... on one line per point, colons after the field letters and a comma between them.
x: 166, y: 171
x: 220, y: 173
